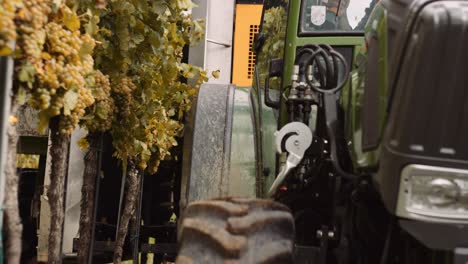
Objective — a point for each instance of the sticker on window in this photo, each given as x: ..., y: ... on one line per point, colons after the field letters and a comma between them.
x: 318, y: 15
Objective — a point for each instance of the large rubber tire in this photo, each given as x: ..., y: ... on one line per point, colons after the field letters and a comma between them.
x: 236, y: 230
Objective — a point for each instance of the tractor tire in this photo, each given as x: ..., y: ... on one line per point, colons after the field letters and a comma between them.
x: 236, y: 231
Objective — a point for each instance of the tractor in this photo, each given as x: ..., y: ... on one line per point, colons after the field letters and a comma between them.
x: 349, y: 148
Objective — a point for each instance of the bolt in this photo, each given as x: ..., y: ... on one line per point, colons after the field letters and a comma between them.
x: 319, y: 233
x: 296, y: 143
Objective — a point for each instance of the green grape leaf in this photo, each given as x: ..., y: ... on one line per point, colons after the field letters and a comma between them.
x: 5, y: 51
x: 27, y: 73
x: 185, y: 4
x: 71, y: 21
x: 102, y: 111
x: 70, y: 101
x: 86, y: 49
x: 171, y: 112
x: 22, y: 96
x: 215, y: 74
x: 159, y: 7
x: 136, y: 39
x: 92, y: 27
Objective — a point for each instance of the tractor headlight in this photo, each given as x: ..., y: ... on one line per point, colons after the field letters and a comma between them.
x: 433, y: 194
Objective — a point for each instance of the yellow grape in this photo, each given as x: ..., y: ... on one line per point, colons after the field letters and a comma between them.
x: 7, y: 25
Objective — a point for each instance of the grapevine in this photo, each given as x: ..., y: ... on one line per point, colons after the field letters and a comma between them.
x: 108, y: 66
x: 55, y: 70
x: 143, y: 59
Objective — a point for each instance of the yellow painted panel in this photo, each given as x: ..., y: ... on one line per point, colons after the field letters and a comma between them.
x: 247, y: 24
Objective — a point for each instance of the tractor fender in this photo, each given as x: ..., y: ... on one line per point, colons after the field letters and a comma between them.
x: 219, y: 150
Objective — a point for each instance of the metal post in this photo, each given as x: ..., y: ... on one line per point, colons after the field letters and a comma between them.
x: 6, y: 81
x: 136, y: 236
x: 121, y: 197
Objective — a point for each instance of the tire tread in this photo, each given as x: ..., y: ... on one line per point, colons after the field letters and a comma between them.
x: 237, y: 230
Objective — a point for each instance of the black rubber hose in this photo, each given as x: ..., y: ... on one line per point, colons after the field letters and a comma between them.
x: 339, y: 86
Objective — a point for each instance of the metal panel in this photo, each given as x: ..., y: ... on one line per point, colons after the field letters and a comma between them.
x: 215, y: 52
x: 247, y: 25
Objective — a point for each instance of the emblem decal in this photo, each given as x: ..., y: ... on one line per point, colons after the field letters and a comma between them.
x: 318, y: 15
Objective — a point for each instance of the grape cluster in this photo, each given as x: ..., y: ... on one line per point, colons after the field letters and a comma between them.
x: 63, y: 41
x: 49, y: 76
x: 88, y: 40
x: 103, y: 107
x: 102, y: 88
x: 7, y: 24
x: 122, y: 94
x: 56, y: 105
x: 40, y: 98
x: 69, y: 122
x: 62, y: 59
x: 87, y: 63
x: 31, y: 19
x: 124, y: 86
x: 72, y: 75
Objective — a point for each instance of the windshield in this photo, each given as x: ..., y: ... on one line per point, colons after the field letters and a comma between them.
x: 335, y: 15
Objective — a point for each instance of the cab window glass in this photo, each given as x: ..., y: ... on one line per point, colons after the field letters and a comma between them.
x: 273, y: 31
x: 335, y: 15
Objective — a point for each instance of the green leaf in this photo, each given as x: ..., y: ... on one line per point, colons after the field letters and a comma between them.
x: 71, y: 21
x: 171, y: 112
x: 159, y: 7
x: 22, y: 96
x: 27, y: 73
x: 185, y: 4
x: 138, y: 38
x: 92, y: 27
x: 5, y: 51
x: 102, y: 111
x: 70, y: 101
x: 215, y: 74
x: 86, y: 49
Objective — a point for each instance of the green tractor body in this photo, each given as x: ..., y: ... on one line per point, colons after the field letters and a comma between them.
x: 356, y: 121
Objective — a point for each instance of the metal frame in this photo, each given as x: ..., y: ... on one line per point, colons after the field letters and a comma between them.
x: 6, y: 82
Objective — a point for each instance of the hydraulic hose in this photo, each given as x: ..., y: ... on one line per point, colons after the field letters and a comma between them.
x: 327, y: 62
